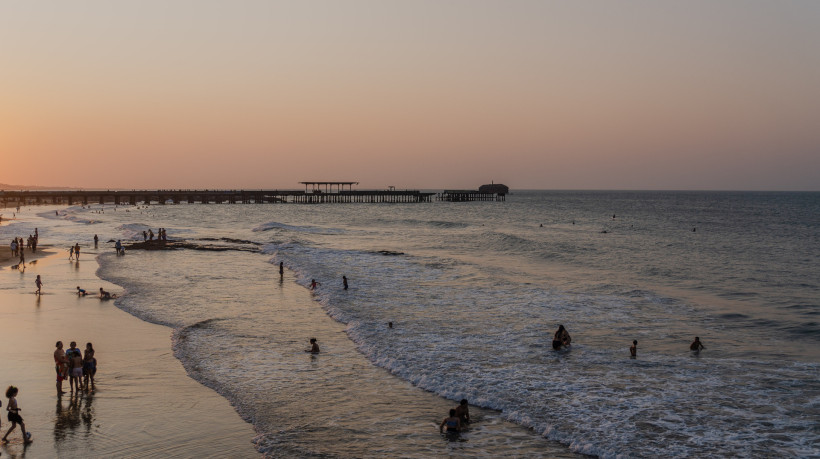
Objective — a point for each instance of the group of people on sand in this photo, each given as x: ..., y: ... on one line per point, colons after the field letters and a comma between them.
x: 149, y: 235
x: 76, y: 366
x: 17, y: 249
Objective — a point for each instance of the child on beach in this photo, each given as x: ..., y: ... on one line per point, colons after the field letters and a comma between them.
x: 14, y: 415
x: 71, y: 253
x: 39, y: 283
x: 81, y: 291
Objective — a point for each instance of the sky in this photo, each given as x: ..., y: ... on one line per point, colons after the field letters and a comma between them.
x: 696, y: 94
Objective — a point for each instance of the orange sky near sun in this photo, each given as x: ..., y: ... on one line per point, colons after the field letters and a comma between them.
x: 421, y: 94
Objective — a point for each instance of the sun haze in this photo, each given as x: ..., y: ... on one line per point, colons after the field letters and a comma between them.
x: 422, y: 94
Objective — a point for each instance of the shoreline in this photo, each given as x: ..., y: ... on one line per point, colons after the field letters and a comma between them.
x: 145, y: 404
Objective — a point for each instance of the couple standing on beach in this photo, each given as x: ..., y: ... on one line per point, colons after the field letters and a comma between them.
x: 73, y: 365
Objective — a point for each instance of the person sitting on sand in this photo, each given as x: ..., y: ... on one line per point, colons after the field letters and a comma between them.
x: 696, y: 345
x: 463, y: 412
x: 452, y: 422
x: 81, y: 291
x: 561, y: 338
x: 14, y: 415
x: 633, y: 350
x: 314, y: 347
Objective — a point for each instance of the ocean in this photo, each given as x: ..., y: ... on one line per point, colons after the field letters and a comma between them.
x: 475, y: 292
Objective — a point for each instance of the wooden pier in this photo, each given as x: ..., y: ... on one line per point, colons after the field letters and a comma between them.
x: 314, y: 193
x: 135, y: 197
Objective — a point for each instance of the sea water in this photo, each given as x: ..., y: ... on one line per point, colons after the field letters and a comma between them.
x: 475, y: 292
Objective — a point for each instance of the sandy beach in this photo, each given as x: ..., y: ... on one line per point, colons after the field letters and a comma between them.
x: 144, y: 403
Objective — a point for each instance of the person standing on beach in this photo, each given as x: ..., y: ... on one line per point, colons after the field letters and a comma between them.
x: 150, y: 234
x: 71, y: 253
x: 14, y: 415
x: 77, y: 251
x: 281, y: 269
x: 144, y: 236
x: 344, y: 282
x: 96, y: 241
x: 89, y: 365
x: 39, y: 283
x: 60, y: 367
x: 75, y: 366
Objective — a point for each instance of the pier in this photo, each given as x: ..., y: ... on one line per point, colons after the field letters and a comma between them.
x: 314, y: 193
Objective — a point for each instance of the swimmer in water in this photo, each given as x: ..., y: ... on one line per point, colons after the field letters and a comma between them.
x: 452, y: 422
x: 696, y: 345
x: 633, y: 350
x: 344, y: 282
x: 561, y: 338
x: 314, y: 347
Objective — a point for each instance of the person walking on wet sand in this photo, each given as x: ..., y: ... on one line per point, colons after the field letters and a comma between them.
x: 39, y: 283
x: 77, y: 251
x: 281, y: 269
x: 71, y: 253
x: 14, y: 415
x: 96, y: 241
x: 696, y: 345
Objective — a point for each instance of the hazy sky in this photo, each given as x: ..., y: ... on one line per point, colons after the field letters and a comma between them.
x: 416, y: 94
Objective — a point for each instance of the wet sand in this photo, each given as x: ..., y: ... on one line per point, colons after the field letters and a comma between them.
x: 144, y: 404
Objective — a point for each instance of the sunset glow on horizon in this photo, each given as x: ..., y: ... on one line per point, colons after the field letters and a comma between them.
x: 417, y: 94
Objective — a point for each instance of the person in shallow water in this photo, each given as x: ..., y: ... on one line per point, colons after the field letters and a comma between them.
x: 561, y: 338
x: 452, y: 422
x: 314, y: 347
x: 696, y: 345
x: 633, y: 350
x: 463, y: 412
x: 314, y: 284
x: 344, y: 282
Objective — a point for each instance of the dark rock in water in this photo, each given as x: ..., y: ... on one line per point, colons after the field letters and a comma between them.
x: 389, y: 252
x: 496, y: 188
